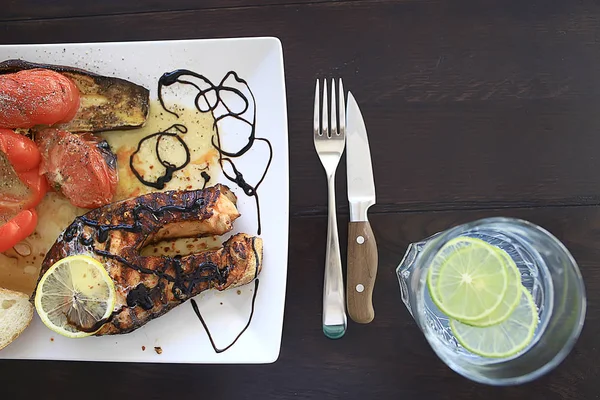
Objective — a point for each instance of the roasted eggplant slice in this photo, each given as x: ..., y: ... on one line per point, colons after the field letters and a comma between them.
x: 107, y: 103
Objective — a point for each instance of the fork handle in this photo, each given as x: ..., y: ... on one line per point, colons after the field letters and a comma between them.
x: 334, y: 313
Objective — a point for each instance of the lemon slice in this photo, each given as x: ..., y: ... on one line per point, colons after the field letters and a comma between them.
x: 74, y: 295
x: 504, y: 339
x: 511, y: 298
x: 468, y: 279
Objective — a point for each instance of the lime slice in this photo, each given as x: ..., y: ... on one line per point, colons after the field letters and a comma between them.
x: 74, y: 295
x: 504, y: 339
x: 440, y: 258
x: 511, y: 298
x: 468, y: 279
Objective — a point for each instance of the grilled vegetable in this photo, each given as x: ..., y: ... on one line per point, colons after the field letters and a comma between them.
x: 14, y: 193
x: 106, y: 103
x: 21, y: 186
x: 36, y: 97
x: 79, y: 166
x: 17, y: 229
x: 22, y: 151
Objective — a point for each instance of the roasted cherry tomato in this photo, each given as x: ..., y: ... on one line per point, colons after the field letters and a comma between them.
x: 17, y: 229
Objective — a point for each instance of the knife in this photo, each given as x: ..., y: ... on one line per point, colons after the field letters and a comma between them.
x: 362, y: 249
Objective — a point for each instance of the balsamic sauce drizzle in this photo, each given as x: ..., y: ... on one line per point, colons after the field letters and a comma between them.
x: 212, y: 342
x: 183, y: 283
x: 170, y: 168
x: 102, y: 229
x: 206, y: 178
x: 197, y: 311
x: 90, y: 329
x: 173, y: 77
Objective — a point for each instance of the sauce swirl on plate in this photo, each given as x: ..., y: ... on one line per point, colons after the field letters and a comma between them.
x: 220, y: 110
x: 213, y: 99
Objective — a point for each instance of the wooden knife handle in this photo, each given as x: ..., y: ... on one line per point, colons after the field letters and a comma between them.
x: 362, y: 271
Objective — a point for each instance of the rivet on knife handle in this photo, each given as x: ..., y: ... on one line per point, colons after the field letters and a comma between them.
x: 362, y: 271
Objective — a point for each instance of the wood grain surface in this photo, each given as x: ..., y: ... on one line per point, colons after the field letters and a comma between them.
x: 473, y: 109
x: 473, y: 106
x: 32, y: 9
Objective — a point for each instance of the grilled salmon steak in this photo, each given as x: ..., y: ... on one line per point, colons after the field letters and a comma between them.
x: 149, y: 286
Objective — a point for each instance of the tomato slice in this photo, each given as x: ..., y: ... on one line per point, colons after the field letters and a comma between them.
x: 17, y: 229
x: 21, y: 151
x: 37, y: 97
x: 79, y: 166
x: 38, y: 184
x: 25, y: 158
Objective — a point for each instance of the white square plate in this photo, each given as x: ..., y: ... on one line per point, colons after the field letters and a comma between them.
x: 179, y: 333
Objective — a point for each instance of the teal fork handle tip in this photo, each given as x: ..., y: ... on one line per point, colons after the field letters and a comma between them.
x: 334, y: 331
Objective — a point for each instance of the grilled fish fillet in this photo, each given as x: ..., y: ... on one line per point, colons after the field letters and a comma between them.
x: 149, y: 286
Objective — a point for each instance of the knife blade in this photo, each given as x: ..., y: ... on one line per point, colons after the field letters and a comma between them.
x: 362, y: 255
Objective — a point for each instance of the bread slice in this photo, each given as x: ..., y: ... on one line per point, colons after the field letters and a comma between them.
x: 16, y: 312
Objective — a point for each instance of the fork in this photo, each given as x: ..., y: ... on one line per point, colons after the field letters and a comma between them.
x: 330, y: 146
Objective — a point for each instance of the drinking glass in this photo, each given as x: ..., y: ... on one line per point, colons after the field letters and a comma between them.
x: 548, y: 272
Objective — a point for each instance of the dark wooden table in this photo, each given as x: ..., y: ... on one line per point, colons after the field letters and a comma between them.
x: 474, y: 108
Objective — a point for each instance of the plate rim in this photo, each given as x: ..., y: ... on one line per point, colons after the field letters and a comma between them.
x: 281, y: 92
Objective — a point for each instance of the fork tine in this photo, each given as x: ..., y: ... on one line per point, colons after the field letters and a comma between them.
x: 316, y: 125
x: 325, y: 118
x: 342, y: 110
x: 334, y: 131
